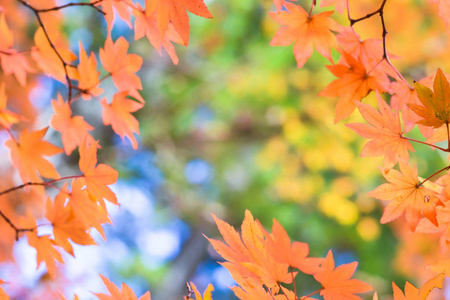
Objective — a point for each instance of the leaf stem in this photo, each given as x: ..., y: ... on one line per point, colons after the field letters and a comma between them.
x: 425, y: 143
x: 293, y: 281
x: 432, y: 175
x: 314, y: 2
x: 307, y: 296
x: 448, y: 136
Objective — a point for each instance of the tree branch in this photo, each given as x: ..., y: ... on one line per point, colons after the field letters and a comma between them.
x: 71, y: 5
x: 17, y: 230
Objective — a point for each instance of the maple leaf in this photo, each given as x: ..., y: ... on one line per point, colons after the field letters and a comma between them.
x: 306, y: 32
x: 118, y: 115
x: 147, y: 26
x: 406, y: 196
x: 27, y: 155
x: 413, y: 293
x: 248, y: 254
x: 113, y: 7
x: 174, y: 11
x: 16, y: 63
x: 444, y: 11
x: 121, y: 65
x: 3, y: 295
x: 385, y: 132
x: 278, y: 244
x: 97, y: 178
x: 45, y: 247
x: 7, y: 117
x: 336, y: 282
x: 74, y: 130
x: 66, y: 226
x: 47, y: 59
x: 402, y: 95
x: 369, y: 51
x: 87, y: 211
x: 6, y: 42
x: 12, y: 62
x: 88, y: 80
x: 125, y: 293
x: 206, y: 294
x: 435, y: 110
x: 354, y: 83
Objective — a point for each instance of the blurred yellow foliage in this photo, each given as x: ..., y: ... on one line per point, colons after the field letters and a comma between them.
x: 368, y: 228
x: 338, y: 207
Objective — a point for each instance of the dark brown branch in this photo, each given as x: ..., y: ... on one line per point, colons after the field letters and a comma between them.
x: 432, y: 175
x: 16, y: 229
x: 41, y: 24
x: 190, y: 291
x: 5, y: 53
x: 46, y: 183
x: 22, y: 186
x: 72, y: 5
x: 380, y: 12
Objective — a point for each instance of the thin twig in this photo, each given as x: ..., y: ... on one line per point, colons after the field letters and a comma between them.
x: 46, y: 183
x: 425, y: 143
x: 293, y: 281
x: 432, y: 175
x: 73, y: 4
x: 190, y: 291
x: 307, y: 296
x: 17, y: 230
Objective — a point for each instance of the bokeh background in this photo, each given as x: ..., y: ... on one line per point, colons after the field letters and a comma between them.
x: 235, y: 126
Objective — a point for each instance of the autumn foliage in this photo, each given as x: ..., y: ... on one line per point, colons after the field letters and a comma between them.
x: 265, y: 265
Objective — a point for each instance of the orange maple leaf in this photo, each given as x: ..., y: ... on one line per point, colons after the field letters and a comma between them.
x: 66, y: 226
x: 87, y: 211
x: 369, y: 51
x: 121, y: 65
x: 88, y: 80
x: 45, y: 247
x: 147, y: 26
x: 113, y: 7
x: 12, y: 62
x: 406, y: 196
x: 47, y: 59
x: 7, y: 117
x: 413, y: 293
x: 278, y: 244
x: 6, y: 42
x: 27, y: 155
x: 174, y: 11
x: 402, y: 95
x: 118, y: 115
x: 16, y: 63
x: 336, y: 282
x: 248, y: 255
x: 74, y: 130
x: 444, y: 11
x: 354, y: 83
x: 385, y: 133
x: 435, y: 110
x: 125, y: 293
x: 306, y: 32
x: 206, y: 294
x: 97, y: 178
